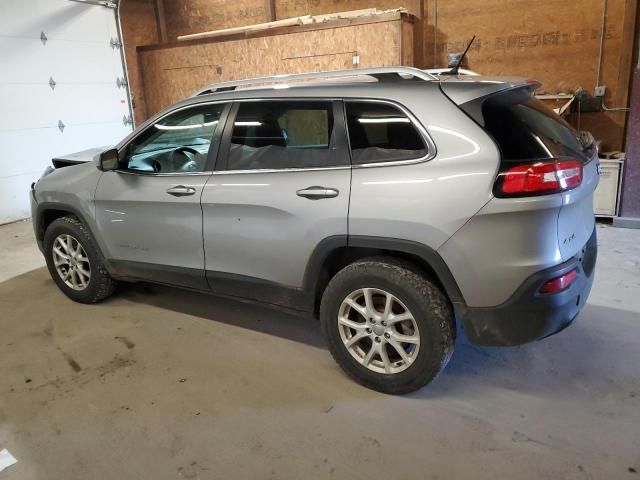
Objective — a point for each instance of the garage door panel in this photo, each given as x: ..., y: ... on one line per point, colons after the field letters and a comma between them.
x: 82, y: 137
x: 14, y: 196
x: 57, y: 19
x: 37, y: 106
x: 64, y: 61
x: 24, y: 151
x: 78, y: 56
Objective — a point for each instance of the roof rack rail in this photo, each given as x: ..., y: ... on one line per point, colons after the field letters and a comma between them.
x: 380, y: 74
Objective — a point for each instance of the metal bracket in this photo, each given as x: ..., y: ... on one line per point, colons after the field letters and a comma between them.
x: 127, y: 120
x: 115, y: 43
x: 43, y: 38
x: 61, y: 126
x: 121, y: 82
x: 52, y: 83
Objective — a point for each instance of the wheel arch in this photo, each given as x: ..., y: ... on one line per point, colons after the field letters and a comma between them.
x: 47, y: 212
x: 335, y: 253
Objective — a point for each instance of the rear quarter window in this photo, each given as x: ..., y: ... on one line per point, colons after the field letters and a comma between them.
x: 379, y: 132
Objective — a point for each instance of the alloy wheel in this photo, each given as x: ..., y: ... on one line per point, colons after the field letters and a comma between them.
x: 378, y: 330
x: 71, y: 262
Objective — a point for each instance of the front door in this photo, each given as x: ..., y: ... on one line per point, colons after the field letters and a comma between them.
x: 280, y: 188
x: 148, y: 211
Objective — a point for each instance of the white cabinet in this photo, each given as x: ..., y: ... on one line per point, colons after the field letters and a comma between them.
x: 605, y: 201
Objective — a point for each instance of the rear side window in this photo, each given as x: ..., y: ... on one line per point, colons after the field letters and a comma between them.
x: 283, y: 134
x: 379, y: 132
x: 525, y: 129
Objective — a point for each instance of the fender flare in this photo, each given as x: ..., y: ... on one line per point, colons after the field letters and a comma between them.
x: 425, y: 253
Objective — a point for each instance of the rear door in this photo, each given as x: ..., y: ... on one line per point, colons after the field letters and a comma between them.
x: 281, y: 187
x: 148, y: 211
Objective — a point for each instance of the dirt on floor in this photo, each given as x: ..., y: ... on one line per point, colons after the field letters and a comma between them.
x: 158, y: 383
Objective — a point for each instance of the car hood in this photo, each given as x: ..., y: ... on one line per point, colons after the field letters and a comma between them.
x: 79, y: 157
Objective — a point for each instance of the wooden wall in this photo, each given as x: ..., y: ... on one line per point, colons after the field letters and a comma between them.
x: 138, y: 20
x: 555, y: 41
x: 174, y: 71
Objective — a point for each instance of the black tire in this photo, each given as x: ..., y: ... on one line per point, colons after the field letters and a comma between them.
x: 427, y: 303
x: 100, y: 284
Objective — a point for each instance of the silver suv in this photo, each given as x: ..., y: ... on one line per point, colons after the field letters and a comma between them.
x: 393, y: 204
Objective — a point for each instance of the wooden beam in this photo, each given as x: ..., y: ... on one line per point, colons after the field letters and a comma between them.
x: 270, y: 10
x: 419, y: 35
x: 418, y: 9
x: 161, y: 23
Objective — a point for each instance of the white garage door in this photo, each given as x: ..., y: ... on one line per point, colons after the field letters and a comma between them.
x: 59, y: 90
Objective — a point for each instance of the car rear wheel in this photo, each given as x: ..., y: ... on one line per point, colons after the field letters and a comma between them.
x: 387, y: 325
x: 75, y: 263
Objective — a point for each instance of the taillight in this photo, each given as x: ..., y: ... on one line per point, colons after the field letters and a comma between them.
x: 560, y: 283
x: 539, y: 178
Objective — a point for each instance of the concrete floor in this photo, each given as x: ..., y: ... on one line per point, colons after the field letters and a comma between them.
x: 159, y: 383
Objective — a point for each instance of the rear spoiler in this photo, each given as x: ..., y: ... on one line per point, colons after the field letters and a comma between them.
x: 461, y: 90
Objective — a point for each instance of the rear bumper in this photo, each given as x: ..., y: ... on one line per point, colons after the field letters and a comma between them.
x: 529, y: 315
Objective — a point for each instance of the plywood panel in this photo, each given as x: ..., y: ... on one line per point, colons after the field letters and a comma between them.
x: 378, y: 44
x: 173, y: 72
x: 554, y: 41
x: 138, y: 28
x: 193, y: 16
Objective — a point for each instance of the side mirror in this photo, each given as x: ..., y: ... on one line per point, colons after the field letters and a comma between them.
x: 109, y: 160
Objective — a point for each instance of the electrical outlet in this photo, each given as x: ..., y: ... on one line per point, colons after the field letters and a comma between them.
x: 600, y: 91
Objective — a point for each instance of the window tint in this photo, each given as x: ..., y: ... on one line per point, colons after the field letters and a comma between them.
x: 283, y: 134
x: 380, y: 132
x: 179, y: 142
x: 524, y: 128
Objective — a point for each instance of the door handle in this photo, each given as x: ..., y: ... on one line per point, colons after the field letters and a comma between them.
x: 181, y: 191
x: 316, y: 193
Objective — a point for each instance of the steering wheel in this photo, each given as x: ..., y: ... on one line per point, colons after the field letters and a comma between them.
x: 188, y: 163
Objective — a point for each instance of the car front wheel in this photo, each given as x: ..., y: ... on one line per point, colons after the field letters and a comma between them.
x: 75, y: 263
x: 387, y: 325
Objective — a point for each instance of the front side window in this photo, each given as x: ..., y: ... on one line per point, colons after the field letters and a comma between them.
x: 283, y: 134
x: 379, y: 132
x: 177, y: 143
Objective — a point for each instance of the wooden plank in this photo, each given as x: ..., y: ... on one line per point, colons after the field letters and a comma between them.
x: 161, y: 23
x: 282, y: 30
x: 288, y: 22
x: 418, y: 35
x: 305, y: 19
x: 270, y: 10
